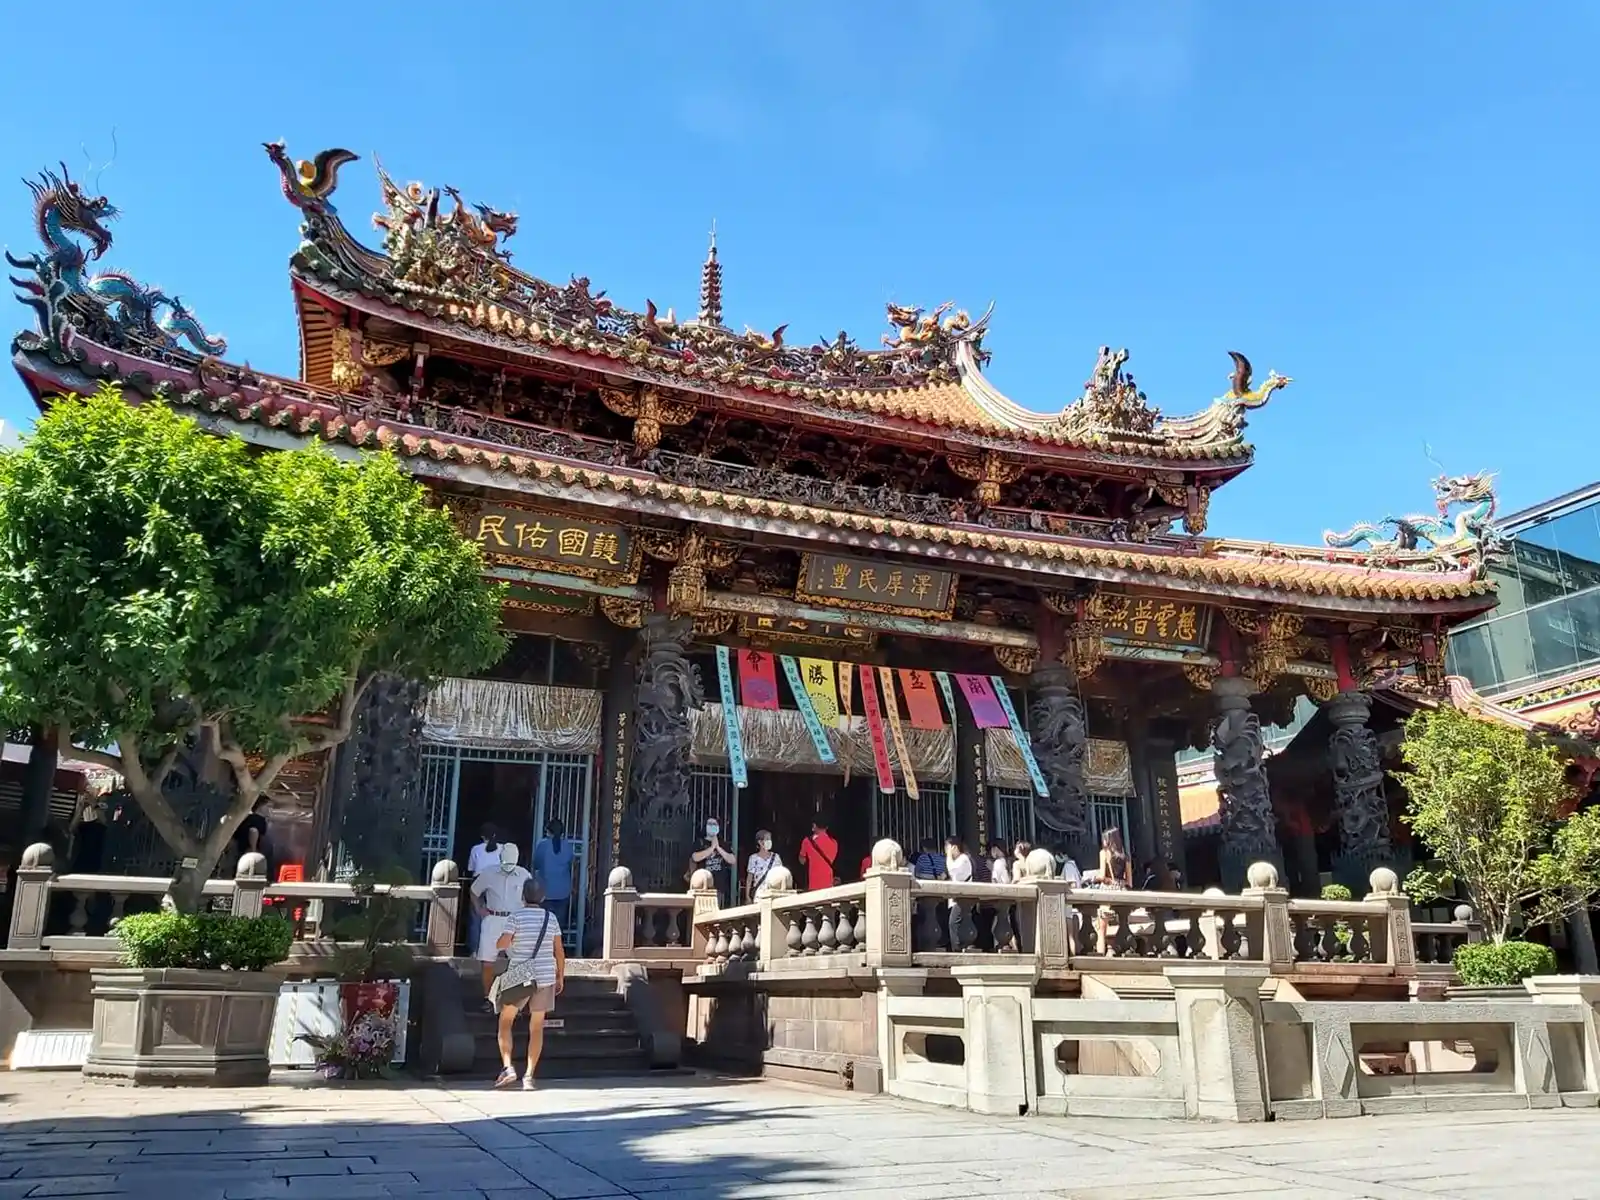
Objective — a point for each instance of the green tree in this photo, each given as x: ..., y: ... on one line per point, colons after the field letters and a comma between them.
x: 164, y: 590
x: 1487, y: 800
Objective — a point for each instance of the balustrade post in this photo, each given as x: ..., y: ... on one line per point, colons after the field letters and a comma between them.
x: 1270, y: 931
x: 1468, y: 920
x: 1395, y: 944
x: 249, y: 885
x: 1221, y: 1039
x: 887, y: 910
x: 621, y: 900
x: 30, y: 908
x: 774, y: 925
x: 703, y: 890
x: 1052, y: 924
x: 444, y: 912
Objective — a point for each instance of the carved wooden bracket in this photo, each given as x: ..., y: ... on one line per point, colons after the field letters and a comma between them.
x: 989, y: 471
x: 650, y: 409
x: 629, y: 614
x: 1019, y: 660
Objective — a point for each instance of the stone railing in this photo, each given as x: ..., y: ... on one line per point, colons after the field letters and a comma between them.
x: 40, y: 922
x: 1437, y: 941
x: 891, y: 919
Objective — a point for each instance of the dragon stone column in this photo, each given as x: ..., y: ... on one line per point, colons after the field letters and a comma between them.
x: 656, y: 836
x: 1249, y: 829
x: 1059, y: 734
x: 1358, y: 794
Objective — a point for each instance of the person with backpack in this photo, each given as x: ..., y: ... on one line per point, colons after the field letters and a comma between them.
x: 818, y: 853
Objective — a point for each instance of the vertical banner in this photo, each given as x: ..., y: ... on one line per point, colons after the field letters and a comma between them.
x: 893, y: 707
x: 758, y: 680
x: 847, y: 675
x: 730, y: 719
x: 819, y: 738
x: 880, y: 747
x: 818, y: 675
x: 987, y: 712
x: 922, y: 702
x: 949, y: 694
x: 1021, y: 736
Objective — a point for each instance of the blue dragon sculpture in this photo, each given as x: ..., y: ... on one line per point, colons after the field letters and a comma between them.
x: 61, y: 286
x: 1470, y: 537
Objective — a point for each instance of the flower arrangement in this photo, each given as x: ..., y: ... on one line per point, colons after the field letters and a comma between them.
x: 361, y: 1050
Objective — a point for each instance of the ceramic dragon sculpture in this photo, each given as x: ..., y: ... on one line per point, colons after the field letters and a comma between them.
x: 66, y: 218
x: 1469, y: 538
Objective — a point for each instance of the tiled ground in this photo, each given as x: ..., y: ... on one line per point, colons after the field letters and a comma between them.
x: 708, y: 1140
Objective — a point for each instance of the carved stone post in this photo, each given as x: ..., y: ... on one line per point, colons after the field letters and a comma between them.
x: 620, y: 903
x: 443, y: 912
x: 656, y: 840
x: 1358, y: 794
x: 31, y: 906
x: 706, y: 901
x: 1060, y: 737
x: 249, y: 885
x: 886, y: 912
x: 1249, y: 829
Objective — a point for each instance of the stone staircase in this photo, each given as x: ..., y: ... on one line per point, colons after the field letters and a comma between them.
x: 591, y: 1033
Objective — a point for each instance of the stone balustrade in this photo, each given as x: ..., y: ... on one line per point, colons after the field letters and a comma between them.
x: 1437, y: 941
x: 97, y: 901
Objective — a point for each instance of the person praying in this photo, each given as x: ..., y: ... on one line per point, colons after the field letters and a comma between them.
x: 718, y: 859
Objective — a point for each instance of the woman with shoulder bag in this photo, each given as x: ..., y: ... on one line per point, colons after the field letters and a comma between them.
x: 533, y: 972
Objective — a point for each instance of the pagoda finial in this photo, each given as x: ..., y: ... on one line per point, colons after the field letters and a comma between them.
x: 711, y: 284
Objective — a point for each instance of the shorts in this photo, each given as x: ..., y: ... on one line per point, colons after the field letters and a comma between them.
x: 489, y: 937
x: 530, y: 996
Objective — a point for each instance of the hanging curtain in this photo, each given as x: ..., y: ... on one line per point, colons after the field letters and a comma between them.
x: 778, y: 741
x: 490, y: 715
x: 1107, y: 767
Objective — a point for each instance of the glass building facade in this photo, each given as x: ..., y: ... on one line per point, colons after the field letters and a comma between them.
x: 1548, y: 620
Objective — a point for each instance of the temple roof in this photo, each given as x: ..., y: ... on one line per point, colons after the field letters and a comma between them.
x: 453, y: 268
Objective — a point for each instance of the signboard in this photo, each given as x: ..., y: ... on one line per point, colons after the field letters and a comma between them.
x: 1153, y: 622
x: 524, y: 537
x: 529, y: 598
x: 885, y: 587
x: 792, y: 629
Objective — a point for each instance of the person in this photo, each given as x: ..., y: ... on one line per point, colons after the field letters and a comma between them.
x: 482, y: 857
x: 552, y: 867
x: 496, y: 894
x: 762, y: 861
x: 999, y: 867
x: 1069, y: 869
x: 818, y: 853
x: 958, y: 863
x: 1149, y: 877
x: 252, y: 835
x: 535, y: 973
x: 928, y: 864
x: 716, y: 858
x: 1019, y: 855
x: 1116, y: 870
x: 866, y: 865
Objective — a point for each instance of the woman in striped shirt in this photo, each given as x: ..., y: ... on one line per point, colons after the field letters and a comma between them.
x: 535, y: 973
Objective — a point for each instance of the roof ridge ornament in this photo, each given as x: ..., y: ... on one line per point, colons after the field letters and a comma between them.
x: 1112, y: 406
x: 711, y: 284
x: 1470, y: 540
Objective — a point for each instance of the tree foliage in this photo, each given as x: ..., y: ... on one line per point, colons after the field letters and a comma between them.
x: 164, y: 589
x: 1488, y: 801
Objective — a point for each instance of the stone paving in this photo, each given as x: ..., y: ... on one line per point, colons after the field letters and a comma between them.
x: 704, y: 1139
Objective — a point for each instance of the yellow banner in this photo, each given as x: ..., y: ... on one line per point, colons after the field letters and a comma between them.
x: 818, y: 677
x: 891, y: 705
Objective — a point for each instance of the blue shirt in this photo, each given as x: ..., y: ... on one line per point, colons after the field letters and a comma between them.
x: 928, y: 866
x: 553, y: 868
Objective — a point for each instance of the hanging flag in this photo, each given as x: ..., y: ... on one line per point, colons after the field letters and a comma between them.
x: 818, y: 676
x: 922, y: 702
x: 893, y: 705
x: 880, y: 747
x: 730, y: 719
x: 1021, y: 737
x: 758, y: 680
x: 847, y: 675
x: 986, y: 710
x: 949, y: 693
x: 819, y: 738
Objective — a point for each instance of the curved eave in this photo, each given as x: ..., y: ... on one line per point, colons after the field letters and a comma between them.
x: 985, y: 428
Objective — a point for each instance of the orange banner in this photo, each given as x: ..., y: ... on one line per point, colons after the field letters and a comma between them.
x: 922, y: 699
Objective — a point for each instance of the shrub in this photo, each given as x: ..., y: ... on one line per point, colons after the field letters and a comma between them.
x: 1336, y: 891
x: 205, y: 941
x: 1502, y: 964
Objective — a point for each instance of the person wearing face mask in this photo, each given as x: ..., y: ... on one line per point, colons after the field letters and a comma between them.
x: 761, y: 862
x: 718, y: 859
x: 496, y: 894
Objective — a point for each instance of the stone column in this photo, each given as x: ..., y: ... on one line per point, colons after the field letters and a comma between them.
x: 620, y: 903
x: 1059, y: 733
x: 997, y: 1011
x: 1249, y: 829
x: 656, y: 841
x: 30, y: 906
x: 1359, y: 799
x: 1161, y: 755
x: 38, y: 782
x: 1580, y: 932
x: 1220, y: 1040
x: 616, y: 752
x: 972, y: 783
x: 445, y: 909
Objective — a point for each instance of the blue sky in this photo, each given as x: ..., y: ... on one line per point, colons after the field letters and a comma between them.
x: 1396, y: 204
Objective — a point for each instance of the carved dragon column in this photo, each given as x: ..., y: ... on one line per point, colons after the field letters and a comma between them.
x: 656, y: 838
x: 1249, y: 829
x: 1060, y: 738
x: 382, y: 821
x: 1357, y: 766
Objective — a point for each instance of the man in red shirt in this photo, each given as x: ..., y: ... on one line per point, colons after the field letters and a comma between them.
x: 819, y: 852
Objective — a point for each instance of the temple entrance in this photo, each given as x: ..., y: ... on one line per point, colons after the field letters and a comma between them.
x: 519, y: 791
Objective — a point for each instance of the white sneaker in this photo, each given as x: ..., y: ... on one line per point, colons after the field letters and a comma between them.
x: 528, y: 1084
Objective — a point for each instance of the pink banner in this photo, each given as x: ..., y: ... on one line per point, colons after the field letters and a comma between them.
x: 758, y: 680
x: 986, y: 710
x: 880, y: 744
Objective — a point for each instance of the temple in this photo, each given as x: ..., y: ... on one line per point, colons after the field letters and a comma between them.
x: 899, y: 548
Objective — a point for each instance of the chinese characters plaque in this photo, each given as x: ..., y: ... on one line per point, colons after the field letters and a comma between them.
x: 560, y: 542
x: 877, y: 586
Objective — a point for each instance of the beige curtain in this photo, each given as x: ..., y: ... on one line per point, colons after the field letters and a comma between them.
x: 778, y: 741
x: 1107, y: 766
x: 491, y: 715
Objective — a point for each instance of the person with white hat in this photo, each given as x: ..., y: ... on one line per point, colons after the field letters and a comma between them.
x: 496, y: 894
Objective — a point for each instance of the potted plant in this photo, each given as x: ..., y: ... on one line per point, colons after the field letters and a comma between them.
x: 372, y: 958
x: 193, y: 1002
x: 362, y: 1049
